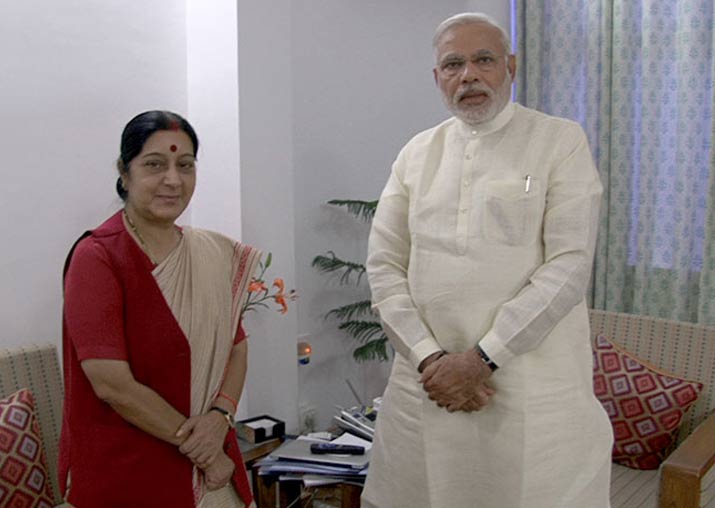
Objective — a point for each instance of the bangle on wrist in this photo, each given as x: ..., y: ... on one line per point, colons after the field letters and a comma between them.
x: 485, y: 358
x: 227, y: 416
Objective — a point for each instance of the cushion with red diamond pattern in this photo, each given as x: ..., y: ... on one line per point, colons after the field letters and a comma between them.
x: 645, y: 404
x: 24, y: 481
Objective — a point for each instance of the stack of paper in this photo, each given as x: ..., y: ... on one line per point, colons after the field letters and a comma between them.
x: 293, y: 460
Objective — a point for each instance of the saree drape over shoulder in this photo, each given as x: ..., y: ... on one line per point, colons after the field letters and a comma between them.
x: 197, y: 279
x: 174, y: 324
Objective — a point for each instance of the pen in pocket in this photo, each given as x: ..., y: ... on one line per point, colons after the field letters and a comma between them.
x: 527, y: 183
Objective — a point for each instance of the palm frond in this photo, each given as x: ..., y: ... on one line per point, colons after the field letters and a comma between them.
x: 375, y: 349
x: 364, y: 210
x: 331, y: 263
x: 352, y: 310
x: 362, y: 331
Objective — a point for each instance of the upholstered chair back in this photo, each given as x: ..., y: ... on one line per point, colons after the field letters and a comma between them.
x: 684, y: 349
x: 36, y: 368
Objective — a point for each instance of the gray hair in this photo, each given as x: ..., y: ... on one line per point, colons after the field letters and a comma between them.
x: 470, y: 18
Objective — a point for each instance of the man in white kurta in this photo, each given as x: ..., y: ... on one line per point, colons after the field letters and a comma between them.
x: 479, y: 259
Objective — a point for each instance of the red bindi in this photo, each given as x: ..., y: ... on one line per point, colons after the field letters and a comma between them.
x: 172, y: 148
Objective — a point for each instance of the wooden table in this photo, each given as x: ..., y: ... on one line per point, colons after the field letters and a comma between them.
x: 252, y: 452
x: 267, y: 489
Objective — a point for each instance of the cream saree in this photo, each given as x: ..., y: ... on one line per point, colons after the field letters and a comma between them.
x: 204, y: 281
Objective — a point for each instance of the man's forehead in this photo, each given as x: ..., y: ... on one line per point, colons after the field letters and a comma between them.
x: 471, y: 38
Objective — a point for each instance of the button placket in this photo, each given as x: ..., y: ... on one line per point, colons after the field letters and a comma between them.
x: 465, y: 196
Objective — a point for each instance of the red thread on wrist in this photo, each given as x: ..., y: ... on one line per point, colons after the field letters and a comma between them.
x: 233, y: 401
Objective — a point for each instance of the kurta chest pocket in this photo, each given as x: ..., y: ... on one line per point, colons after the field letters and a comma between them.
x: 512, y: 211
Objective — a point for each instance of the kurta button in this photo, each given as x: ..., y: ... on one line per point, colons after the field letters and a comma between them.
x: 462, y: 210
x: 468, y: 157
x: 466, y: 183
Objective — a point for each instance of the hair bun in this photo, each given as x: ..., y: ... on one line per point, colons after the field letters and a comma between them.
x: 121, y: 190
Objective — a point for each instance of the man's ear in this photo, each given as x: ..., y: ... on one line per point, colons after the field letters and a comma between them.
x: 511, y: 67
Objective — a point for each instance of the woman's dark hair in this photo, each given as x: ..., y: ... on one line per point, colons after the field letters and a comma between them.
x: 139, y: 129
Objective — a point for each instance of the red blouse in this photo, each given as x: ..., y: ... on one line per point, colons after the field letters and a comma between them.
x: 114, y: 309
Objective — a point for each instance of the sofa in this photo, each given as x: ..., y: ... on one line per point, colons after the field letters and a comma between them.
x: 36, y: 367
x: 686, y: 479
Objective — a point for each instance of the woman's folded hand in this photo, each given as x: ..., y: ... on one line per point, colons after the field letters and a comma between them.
x: 218, y: 474
x: 206, y: 434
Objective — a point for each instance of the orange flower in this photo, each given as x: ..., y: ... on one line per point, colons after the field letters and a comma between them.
x: 257, y: 285
x: 280, y: 300
x: 259, y: 295
x: 279, y: 297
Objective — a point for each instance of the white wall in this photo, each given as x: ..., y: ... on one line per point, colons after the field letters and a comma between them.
x: 73, y: 73
x: 265, y: 110
x: 212, y: 93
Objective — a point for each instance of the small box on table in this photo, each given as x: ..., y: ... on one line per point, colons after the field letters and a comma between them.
x: 260, y: 428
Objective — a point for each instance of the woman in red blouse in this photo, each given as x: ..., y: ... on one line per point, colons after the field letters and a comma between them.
x: 154, y: 353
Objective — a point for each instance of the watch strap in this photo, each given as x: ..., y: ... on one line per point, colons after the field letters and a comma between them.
x: 485, y: 358
x: 227, y: 416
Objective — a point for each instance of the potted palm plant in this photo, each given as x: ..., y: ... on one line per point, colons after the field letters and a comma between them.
x: 357, y: 319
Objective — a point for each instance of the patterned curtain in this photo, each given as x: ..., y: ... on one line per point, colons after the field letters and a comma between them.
x: 638, y: 76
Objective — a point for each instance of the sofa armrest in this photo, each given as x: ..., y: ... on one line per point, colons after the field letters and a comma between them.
x: 684, y: 469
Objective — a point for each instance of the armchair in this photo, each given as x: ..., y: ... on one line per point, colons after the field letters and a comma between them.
x: 686, y: 479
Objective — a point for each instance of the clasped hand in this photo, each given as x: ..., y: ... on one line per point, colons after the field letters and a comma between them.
x: 458, y: 381
x: 204, y: 447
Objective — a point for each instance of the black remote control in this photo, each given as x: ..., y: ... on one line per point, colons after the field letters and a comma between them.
x: 338, y: 449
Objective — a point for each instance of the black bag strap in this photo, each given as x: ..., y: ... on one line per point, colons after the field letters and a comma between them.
x: 69, y: 256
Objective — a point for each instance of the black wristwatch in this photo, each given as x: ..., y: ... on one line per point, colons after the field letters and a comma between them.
x: 485, y: 357
x: 226, y: 415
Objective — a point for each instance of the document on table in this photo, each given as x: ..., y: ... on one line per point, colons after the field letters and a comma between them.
x: 299, y: 450
x: 316, y: 480
x: 351, y: 439
x: 271, y: 465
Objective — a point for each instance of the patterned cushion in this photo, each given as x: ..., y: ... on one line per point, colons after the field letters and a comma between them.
x: 23, y: 467
x: 645, y: 405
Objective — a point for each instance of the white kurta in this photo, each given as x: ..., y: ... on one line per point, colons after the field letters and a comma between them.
x: 486, y: 236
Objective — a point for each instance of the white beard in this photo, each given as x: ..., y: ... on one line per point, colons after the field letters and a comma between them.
x: 474, y: 114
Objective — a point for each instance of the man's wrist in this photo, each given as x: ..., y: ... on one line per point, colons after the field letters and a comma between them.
x: 485, y: 358
x: 430, y: 359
